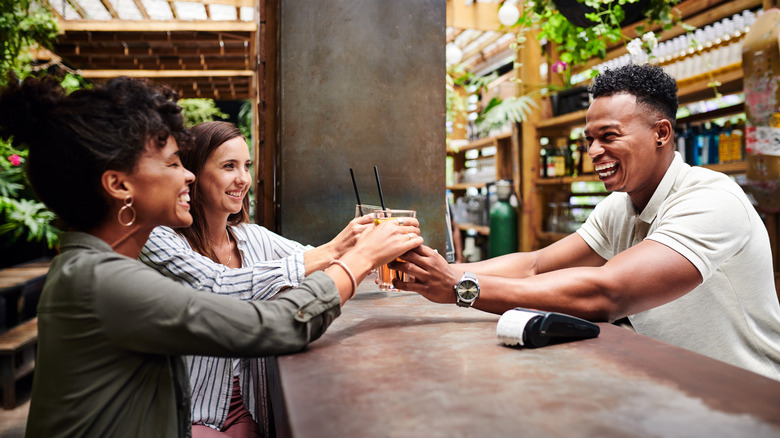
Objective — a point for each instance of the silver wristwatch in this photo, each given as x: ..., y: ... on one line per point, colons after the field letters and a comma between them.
x: 467, y: 290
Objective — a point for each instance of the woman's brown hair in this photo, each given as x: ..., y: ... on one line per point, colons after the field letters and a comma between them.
x: 206, y: 138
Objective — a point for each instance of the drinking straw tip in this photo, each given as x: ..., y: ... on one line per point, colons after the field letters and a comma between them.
x: 379, y: 186
x: 357, y: 196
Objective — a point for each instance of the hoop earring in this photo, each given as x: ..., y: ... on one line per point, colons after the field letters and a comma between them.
x: 127, y: 207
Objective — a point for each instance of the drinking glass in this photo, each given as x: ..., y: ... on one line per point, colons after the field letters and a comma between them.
x: 366, y: 209
x: 386, y: 275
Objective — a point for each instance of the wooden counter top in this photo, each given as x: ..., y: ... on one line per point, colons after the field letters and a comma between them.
x: 396, y: 365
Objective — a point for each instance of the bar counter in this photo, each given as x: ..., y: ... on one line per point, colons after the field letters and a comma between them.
x: 396, y: 365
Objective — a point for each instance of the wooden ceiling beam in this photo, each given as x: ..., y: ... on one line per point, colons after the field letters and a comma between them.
x: 236, y: 3
x: 110, y: 8
x: 102, y: 56
x: 180, y: 46
x: 482, y: 45
x: 98, y: 74
x: 173, y: 10
x: 142, y: 9
x: 478, y: 15
x: 77, y: 7
x: 109, y: 39
x: 157, y: 26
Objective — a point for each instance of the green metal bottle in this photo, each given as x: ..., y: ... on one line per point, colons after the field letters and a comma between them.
x: 503, y: 222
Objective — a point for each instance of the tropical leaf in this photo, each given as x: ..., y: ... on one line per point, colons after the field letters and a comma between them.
x: 511, y: 110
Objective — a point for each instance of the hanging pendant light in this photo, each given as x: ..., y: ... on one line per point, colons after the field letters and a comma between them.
x: 508, y: 14
x: 453, y: 54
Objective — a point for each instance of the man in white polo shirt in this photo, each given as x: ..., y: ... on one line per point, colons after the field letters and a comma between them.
x: 679, y: 250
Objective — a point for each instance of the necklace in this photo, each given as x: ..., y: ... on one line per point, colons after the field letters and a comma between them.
x: 230, y: 256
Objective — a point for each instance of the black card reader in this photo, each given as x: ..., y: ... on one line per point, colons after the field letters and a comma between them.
x: 535, y: 328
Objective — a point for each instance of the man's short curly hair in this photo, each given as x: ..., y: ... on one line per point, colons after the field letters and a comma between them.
x: 653, y: 87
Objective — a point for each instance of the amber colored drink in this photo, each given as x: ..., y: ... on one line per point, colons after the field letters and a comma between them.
x: 386, y: 275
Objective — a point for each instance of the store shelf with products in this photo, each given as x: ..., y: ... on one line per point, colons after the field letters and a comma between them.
x: 475, y: 166
x: 476, y: 163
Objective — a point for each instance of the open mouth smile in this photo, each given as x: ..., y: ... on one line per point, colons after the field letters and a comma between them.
x: 606, y: 170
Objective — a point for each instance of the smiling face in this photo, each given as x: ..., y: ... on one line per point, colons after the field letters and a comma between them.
x: 623, y: 143
x: 161, y: 193
x: 225, y: 178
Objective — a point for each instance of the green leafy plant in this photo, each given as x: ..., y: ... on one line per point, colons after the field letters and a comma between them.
x: 24, y: 24
x: 576, y: 45
x: 23, y: 217
x: 196, y: 111
x: 246, y: 118
x: 496, y: 113
x: 500, y: 111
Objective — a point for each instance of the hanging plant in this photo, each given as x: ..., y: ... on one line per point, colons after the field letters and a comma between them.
x: 584, y: 29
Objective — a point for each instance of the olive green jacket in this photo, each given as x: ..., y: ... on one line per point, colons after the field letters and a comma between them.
x: 111, y: 331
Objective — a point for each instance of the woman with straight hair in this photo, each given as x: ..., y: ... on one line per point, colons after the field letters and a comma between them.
x: 229, y: 395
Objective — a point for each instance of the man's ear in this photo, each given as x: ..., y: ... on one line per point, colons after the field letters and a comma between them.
x: 664, y: 132
x: 115, y: 183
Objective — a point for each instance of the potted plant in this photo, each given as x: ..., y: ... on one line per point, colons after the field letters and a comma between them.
x: 580, y: 30
x: 577, y: 44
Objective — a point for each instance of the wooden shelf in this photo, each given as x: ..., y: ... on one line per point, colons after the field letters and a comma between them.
x: 481, y: 229
x: 564, y: 121
x: 714, y: 114
x: 561, y: 180
x: 729, y: 168
x: 689, y: 90
x: 481, y: 143
x: 697, y: 88
x: 464, y: 186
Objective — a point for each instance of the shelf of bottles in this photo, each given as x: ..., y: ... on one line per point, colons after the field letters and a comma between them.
x: 702, y: 52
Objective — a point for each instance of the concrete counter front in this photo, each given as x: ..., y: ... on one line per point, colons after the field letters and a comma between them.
x: 396, y: 365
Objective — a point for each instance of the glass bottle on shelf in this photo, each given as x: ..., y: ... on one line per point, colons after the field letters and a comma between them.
x: 737, y: 142
x: 724, y: 143
x: 587, y: 162
x: 554, y: 218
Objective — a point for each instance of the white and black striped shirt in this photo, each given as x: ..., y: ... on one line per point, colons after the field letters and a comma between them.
x: 270, y: 263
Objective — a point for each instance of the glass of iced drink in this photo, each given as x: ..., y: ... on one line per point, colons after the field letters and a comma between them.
x: 386, y: 275
x: 365, y: 209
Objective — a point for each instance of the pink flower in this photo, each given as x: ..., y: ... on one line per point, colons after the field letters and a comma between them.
x: 15, y: 160
x: 559, y: 67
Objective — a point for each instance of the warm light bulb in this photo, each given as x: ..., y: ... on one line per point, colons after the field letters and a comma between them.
x: 453, y: 54
x: 508, y: 14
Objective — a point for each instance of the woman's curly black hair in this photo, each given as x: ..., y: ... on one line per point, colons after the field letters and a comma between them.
x: 74, y: 138
x: 653, y: 87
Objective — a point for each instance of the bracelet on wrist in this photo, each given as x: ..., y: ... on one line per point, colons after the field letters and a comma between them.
x: 349, y: 274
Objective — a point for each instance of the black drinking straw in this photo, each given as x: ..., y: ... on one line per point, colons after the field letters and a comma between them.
x: 379, y: 186
x: 352, y: 174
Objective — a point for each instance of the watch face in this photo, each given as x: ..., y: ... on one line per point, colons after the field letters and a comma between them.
x: 467, y: 290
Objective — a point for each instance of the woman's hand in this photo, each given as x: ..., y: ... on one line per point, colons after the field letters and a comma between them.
x: 388, y: 240
x: 349, y: 236
x: 319, y: 257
